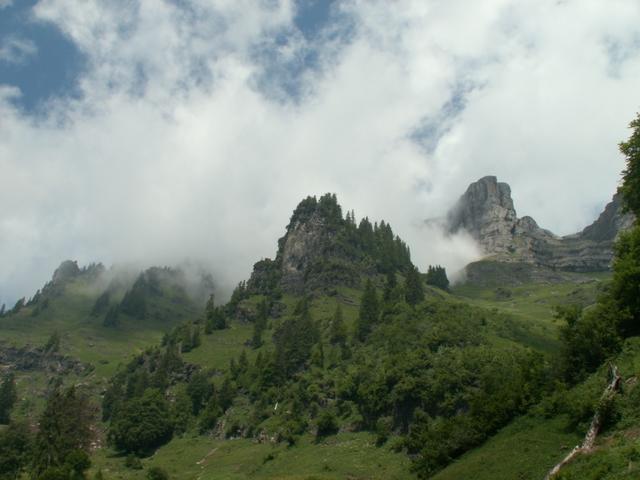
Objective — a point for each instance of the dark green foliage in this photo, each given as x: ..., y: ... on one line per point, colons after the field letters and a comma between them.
x: 181, y: 412
x: 625, y: 287
x: 215, y: 318
x: 210, y: 415
x: 294, y: 339
x: 142, y: 424
x: 208, y: 312
x: 384, y: 426
x: 134, y: 302
x: 8, y: 397
x: 437, y: 277
x: 414, y: 289
x: 54, y: 473
x: 15, y: 447
x: 3, y: 310
x: 133, y: 462
x: 186, y: 336
x: 369, y: 312
x: 155, y: 368
x: 265, y: 279
x: 389, y: 286
x: 76, y: 463
x: 18, y: 306
x: 64, y: 429
x: 111, y: 318
x: 327, y: 424
x: 101, y: 305
x: 303, y: 212
x: 588, y: 337
x: 226, y: 394
x: 630, y: 188
x: 53, y: 344
x: 157, y: 473
x: 239, y: 294
x: 337, y: 328
x: 260, y: 323
x: 200, y: 390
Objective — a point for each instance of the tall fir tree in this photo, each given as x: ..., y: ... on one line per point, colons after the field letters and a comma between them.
x: 209, y: 312
x: 414, y: 289
x: 389, y: 285
x: 64, y: 428
x: 437, y: 277
x: 260, y: 324
x: 8, y: 397
x: 369, y: 312
x: 337, y: 328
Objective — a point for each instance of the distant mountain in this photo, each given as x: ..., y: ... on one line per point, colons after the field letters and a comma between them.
x: 486, y: 211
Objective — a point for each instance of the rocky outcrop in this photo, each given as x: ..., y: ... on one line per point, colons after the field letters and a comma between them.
x: 309, y: 256
x: 28, y: 359
x: 321, y: 250
x: 486, y: 211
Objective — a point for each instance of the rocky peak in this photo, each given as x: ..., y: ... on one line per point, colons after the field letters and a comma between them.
x: 321, y: 249
x: 610, y: 222
x: 66, y: 271
x: 487, y: 213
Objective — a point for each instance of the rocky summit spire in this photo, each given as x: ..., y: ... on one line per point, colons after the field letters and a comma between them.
x: 487, y: 213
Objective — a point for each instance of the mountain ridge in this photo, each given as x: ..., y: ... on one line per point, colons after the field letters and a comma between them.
x: 487, y: 212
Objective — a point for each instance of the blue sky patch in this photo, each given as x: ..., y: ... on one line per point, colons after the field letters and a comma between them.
x: 50, y: 70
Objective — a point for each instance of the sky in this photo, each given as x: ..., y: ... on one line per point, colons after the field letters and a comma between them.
x: 156, y: 131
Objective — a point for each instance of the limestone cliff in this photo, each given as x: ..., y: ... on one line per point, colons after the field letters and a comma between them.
x: 487, y: 212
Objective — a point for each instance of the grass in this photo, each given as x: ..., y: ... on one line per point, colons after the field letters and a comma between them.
x: 529, y: 309
x: 526, y: 449
x: 83, y: 336
x: 343, y: 456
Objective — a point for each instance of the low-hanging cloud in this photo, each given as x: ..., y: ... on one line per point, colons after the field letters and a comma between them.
x: 182, y: 144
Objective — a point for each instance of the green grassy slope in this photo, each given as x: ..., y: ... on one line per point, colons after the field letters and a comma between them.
x: 347, y: 455
x: 83, y: 336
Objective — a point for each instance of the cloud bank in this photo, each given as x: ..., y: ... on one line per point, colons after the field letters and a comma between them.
x: 201, y: 123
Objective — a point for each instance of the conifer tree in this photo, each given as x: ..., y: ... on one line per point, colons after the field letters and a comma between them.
x: 437, y: 277
x: 414, y: 290
x: 389, y: 286
x: 260, y: 324
x: 369, y: 312
x: 8, y: 397
x: 64, y: 428
x: 337, y: 328
x: 209, y: 312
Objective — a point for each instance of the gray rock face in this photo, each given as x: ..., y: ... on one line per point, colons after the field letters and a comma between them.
x: 303, y: 244
x: 486, y: 211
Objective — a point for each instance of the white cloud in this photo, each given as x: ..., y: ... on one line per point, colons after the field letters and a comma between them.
x: 174, y: 151
x: 16, y: 50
